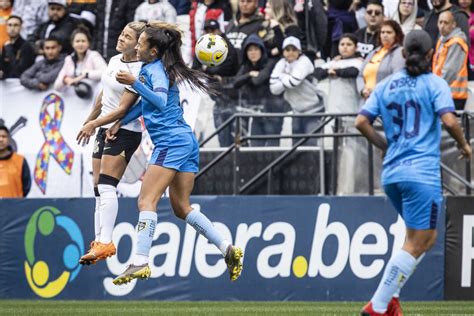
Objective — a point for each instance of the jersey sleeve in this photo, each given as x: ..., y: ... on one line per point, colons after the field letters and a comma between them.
x: 442, y: 99
x: 371, y: 108
x: 157, y: 94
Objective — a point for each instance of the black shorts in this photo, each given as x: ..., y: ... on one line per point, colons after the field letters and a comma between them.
x: 124, y: 145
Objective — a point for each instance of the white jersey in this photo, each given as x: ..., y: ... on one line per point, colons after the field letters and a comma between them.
x: 113, y: 90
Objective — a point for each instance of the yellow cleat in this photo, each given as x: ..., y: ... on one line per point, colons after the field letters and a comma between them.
x: 98, y: 251
x: 133, y: 272
x: 233, y: 259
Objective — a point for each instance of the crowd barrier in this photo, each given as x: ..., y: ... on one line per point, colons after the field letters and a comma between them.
x: 296, y: 248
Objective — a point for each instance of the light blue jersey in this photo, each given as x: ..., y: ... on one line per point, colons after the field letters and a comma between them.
x: 159, y: 105
x: 411, y: 108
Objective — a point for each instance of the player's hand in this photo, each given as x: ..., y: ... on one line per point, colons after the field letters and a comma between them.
x: 86, y: 132
x: 466, y: 151
x: 332, y: 72
x: 125, y: 77
x: 110, y: 134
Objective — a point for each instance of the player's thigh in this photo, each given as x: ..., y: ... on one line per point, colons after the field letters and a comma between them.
x: 95, y: 170
x: 113, y: 166
x: 155, y: 181
x: 421, y: 204
x: 117, y: 153
x: 180, y: 191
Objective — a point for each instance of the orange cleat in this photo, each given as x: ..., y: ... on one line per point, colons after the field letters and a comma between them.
x: 394, y: 308
x: 98, y: 251
x: 368, y: 310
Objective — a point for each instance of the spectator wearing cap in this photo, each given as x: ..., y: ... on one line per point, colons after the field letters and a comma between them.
x: 112, y: 17
x: 5, y: 12
x: 18, y: 55
x: 223, y: 74
x: 44, y: 72
x: 33, y: 13
x: 60, y: 25
x: 160, y: 10
x: 15, y: 181
x: 253, y: 80
x: 450, y: 58
x: 293, y: 76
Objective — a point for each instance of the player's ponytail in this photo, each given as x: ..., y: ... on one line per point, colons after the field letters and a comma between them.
x: 418, y: 52
x: 167, y: 39
x: 417, y: 64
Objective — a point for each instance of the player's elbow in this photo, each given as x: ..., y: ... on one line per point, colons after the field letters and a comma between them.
x: 449, y: 121
x: 361, y: 122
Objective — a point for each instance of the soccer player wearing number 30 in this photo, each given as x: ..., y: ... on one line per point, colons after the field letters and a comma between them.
x: 175, y: 158
x: 411, y: 104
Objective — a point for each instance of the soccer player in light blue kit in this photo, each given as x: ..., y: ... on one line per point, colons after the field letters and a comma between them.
x: 175, y: 158
x: 411, y: 103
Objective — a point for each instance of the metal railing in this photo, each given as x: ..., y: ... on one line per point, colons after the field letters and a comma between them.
x: 318, y: 133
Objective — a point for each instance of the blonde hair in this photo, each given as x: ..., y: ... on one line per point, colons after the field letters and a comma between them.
x: 138, y: 27
x: 283, y: 12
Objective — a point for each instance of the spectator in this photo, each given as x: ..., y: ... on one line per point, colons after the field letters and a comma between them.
x: 430, y: 24
x: 182, y: 7
x: 160, y: 10
x: 59, y: 25
x: 112, y: 17
x: 43, y: 73
x: 291, y: 76
x: 341, y: 19
x: 16, y: 178
x: 18, y: 55
x: 5, y: 12
x: 383, y: 61
x: 226, y: 101
x: 450, y: 58
x: 468, y: 7
x: 33, y: 13
x: 83, y: 66
x: 343, y: 97
x: 247, y: 21
x: 313, y: 21
x: 367, y: 37
x: 406, y: 15
x: 253, y: 78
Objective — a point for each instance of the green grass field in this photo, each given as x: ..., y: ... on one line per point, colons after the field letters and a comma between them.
x: 32, y: 307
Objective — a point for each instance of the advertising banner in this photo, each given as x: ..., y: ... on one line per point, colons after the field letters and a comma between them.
x: 295, y: 248
x: 459, y: 277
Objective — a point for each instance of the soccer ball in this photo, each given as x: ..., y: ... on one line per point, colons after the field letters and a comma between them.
x: 211, y: 50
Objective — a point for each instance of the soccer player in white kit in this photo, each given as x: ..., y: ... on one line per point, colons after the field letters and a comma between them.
x: 110, y: 159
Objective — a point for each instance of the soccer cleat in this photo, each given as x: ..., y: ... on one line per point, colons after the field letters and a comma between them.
x: 233, y: 259
x: 368, y: 310
x: 142, y: 272
x: 394, y: 308
x: 98, y: 251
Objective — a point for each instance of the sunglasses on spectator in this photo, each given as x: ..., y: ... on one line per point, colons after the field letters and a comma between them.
x: 374, y: 12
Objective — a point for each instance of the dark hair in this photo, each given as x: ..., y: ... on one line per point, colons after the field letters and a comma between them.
x: 375, y: 2
x: 4, y: 128
x: 417, y: 63
x: 15, y: 17
x: 81, y: 30
x: 396, y: 28
x: 53, y: 38
x: 351, y: 37
x: 167, y: 39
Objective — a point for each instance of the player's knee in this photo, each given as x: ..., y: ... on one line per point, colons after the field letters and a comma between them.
x: 180, y: 211
x: 145, y: 204
x: 107, y: 186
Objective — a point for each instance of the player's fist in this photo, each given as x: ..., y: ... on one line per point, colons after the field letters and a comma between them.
x: 125, y: 77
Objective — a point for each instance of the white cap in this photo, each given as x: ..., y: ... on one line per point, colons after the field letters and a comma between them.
x: 59, y: 2
x: 293, y: 41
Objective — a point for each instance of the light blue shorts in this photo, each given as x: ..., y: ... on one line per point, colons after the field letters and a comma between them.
x: 181, y: 153
x: 417, y: 203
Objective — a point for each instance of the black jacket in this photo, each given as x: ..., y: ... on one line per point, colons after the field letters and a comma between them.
x: 121, y: 13
x: 62, y: 31
x: 16, y: 58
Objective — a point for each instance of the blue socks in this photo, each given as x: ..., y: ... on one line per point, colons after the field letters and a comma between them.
x: 145, y: 231
x: 398, y: 270
x: 203, y: 226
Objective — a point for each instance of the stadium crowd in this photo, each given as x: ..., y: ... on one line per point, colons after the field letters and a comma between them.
x: 279, y: 50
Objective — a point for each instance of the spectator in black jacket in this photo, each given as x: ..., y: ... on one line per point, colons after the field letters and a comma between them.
x: 60, y: 25
x: 227, y: 99
x: 43, y: 73
x: 109, y: 26
x: 253, y: 78
x: 313, y: 21
x: 17, y: 54
x: 182, y: 6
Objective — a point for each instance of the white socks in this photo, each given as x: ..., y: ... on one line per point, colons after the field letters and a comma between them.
x: 398, y: 270
x: 145, y: 232
x: 97, y: 218
x: 108, y: 211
